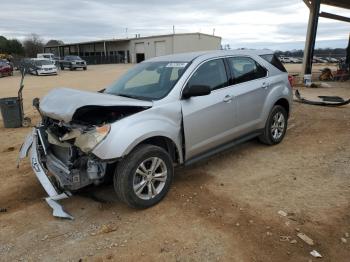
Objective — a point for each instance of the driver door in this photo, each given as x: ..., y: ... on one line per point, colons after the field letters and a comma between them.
x: 208, y: 120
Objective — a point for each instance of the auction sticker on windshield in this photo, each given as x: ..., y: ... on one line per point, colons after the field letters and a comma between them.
x: 176, y: 65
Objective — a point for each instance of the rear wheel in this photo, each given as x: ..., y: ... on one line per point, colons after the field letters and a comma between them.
x: 62, y: 67
x: 84, y: 68
x: 143, y: 178
x: 276, y: 126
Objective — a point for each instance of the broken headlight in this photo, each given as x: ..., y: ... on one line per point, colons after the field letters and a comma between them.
x: 90, y: 139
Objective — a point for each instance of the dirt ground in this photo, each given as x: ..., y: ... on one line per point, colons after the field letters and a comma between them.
x: 224, y: 209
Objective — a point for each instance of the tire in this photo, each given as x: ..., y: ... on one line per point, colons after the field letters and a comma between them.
x: 277, y: 120
x: 62, y: 67
x: 126, y: 178
x: 84, y: 68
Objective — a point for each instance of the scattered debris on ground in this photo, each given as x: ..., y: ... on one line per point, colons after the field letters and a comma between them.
x: 314, y: 253
x: 282, y: 213
x: 327, y: 100
x: 306, y: 239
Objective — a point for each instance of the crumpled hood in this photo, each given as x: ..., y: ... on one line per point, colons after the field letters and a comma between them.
x: 61, y: 103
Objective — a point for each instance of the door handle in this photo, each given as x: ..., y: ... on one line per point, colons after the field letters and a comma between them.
x: 227, y: 99
x: 265, y: 85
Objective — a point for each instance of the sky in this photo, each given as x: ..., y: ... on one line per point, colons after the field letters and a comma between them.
x: 273, y: 24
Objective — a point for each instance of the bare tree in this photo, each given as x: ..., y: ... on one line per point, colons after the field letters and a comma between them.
x: 33, y: 45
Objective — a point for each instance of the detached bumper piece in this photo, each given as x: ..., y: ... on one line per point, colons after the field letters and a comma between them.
x: 32, y: 143
x: 331, y: 101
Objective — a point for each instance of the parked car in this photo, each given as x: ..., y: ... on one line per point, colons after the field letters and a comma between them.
x: 285, y: 59
x: 73, y: 62
x: 5, y: 68
x: 49, y: 56
x: 295, y: 60
x: 40, y: 67
x: 165, y: 112
x: 319, y: 60
x: 331, y: 60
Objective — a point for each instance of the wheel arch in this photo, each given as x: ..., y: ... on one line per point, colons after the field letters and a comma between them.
x: 164, y: 142
x: 284, y: 103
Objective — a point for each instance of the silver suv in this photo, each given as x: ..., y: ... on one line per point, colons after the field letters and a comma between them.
x: 165, y: 112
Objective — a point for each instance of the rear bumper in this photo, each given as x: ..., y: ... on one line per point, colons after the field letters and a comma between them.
x: 31, y: 147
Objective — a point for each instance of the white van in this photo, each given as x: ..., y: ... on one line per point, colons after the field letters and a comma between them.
x: 47, y: 56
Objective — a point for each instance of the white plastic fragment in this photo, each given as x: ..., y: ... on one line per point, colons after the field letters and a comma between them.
x: 306, y: 239
x: 282, y: 213
x: 314, y: 253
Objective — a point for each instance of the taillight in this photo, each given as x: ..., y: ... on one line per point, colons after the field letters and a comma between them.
x: 291, y: 80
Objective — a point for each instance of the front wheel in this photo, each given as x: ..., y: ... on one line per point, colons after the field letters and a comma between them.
x: 275, y: 127
x: 84, y: 68
x: 143, y: 178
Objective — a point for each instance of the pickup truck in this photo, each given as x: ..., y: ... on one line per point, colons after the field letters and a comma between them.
x: 72, y: 62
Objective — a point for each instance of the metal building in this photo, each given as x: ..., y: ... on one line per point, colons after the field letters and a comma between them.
x: 135, y: 50
x: 314, y: 7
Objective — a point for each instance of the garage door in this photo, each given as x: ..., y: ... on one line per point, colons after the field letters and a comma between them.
x: 160, y: 48
x: 140, y: 48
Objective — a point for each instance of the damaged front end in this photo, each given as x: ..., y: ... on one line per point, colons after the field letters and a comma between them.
x: 63, y: 163
x: 61, y: 152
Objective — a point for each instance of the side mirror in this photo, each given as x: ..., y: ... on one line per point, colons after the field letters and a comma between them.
x: 195, y: 90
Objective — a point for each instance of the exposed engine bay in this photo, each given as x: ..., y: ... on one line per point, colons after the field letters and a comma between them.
x: 66, y: 148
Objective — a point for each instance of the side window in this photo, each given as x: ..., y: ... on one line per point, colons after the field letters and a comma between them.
x: 211, y: 73
x: 272, y: 59
x: 245, y: 69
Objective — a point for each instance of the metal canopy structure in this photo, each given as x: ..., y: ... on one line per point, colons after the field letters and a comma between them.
x: 314, y: 7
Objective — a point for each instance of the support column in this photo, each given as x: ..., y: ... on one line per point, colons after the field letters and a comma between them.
x: 104, y: 48
x: 311, y: 36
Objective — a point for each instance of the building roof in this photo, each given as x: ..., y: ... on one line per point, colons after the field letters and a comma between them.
x: 188, y: 57
x: 128, y: 39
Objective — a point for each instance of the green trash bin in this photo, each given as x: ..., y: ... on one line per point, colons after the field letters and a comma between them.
x: 11, y: 112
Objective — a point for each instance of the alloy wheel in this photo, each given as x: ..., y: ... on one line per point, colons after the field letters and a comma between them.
x: 278, y: 125
x: 149, y: 178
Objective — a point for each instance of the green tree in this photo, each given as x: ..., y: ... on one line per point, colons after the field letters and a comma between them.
x: 3, y: 44
x: 15, y: 47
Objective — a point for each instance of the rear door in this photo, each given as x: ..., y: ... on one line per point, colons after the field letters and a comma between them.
x: 250, y: 89
x: 208, y: 120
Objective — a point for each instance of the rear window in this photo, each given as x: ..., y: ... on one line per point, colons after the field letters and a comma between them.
x: 272, y: 59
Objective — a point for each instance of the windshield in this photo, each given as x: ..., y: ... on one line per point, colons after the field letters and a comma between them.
x: 148, y: 80
x: 42, y: 62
